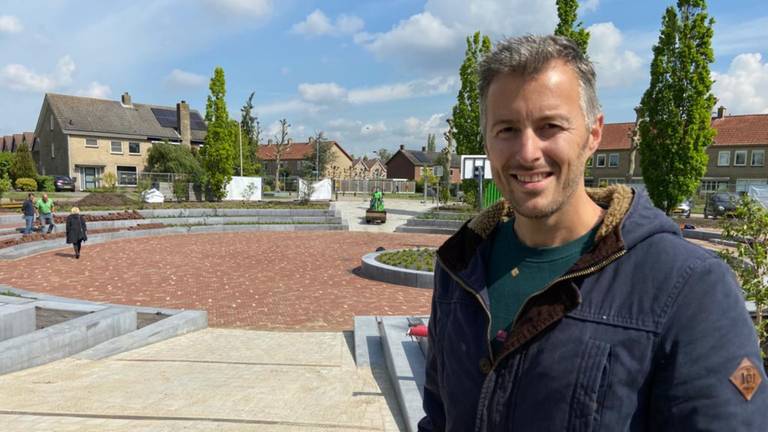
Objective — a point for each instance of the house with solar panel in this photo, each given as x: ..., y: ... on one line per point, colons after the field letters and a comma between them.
x: 85, y: 138
x: 409, y: 164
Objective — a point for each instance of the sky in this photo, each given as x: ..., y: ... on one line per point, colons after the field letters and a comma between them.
x: 370, y: 74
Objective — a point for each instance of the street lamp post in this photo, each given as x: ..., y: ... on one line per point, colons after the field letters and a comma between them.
x: 317, y: 159
x: 240, y: 140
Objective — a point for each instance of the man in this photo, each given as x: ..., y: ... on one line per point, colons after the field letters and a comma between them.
x: 28, y: 209
x: 45, y: 209
x: 563, y: 309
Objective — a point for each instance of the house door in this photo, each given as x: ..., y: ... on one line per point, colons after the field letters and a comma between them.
x: 88, y: 178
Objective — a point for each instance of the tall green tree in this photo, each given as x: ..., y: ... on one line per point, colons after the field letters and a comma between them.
x: 466, y: 112
x: 431, y: 143
x: 383, y: 154
x: 566, y: 11
x: 676, y: 130
x: 218, y: 152
x: 251, y: 134
x: 317, y: 162
x: 23, y: 165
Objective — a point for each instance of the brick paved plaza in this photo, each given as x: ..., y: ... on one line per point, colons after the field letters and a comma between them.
x: 285, y: 281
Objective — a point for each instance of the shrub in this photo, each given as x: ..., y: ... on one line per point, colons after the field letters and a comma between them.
x: 143, y: 184
x: 23, y: 165
x: 109, y: 179
x: 45, y: 184
x: 26, y: 184
x: 5, y: 185
x: 6, y: 160
x: 266, y: 188
x: 181, y: 190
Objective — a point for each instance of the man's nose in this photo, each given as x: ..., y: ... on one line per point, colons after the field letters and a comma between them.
x: 529, y: 147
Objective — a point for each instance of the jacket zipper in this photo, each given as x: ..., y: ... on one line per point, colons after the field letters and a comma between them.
x: 573, y: 275
x: 479, y: 299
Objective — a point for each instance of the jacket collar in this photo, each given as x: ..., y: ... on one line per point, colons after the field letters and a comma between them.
x: 457, y: 252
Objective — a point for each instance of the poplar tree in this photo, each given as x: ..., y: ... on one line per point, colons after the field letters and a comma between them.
x: 218, y: 152
x: 566, y: 12
x: 466, y: 112
x: 676, y: 130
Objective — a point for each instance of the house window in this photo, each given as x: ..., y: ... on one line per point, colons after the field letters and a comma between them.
x: 126, y: 176
x: 134, y: 148
x: 740, y: 158
x: 117, y: 147
x: 91, y: 142
x: 600, y: 161
x: 713, y: 185
x: 613, y: 160
x: 51, y: 117
x: 589, y: 162
x: 53, y: 151
x: 610, y: 181
x: 758, y: 157
x: 723, y: 158
x: 742, y: 185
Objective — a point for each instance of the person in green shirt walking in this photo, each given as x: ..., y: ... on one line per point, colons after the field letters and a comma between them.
x: 45, y: 208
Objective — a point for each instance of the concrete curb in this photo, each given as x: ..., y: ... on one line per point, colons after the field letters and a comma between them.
x: 376, y: 270
x: 64, y: 339
x: 16, y: 320
x: 368, y: 349
x: 176, y: 325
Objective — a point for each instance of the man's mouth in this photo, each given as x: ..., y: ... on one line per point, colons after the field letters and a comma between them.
x: 531, y: 178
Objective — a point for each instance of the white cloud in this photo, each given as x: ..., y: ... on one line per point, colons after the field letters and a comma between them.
x: 615, y: 65
x: 181, y: 78
x: 96, y: 90
x: 588, y: 6
x: 318, y: 24
x: 373, y: 129
x: 239, y: 8
x: 418, y: 128
x: 280, y: 108
x: 10, y: 24
x: 325, y: 93
x: 20, y: 78
x: 744, y: 88
x: 322, y: 92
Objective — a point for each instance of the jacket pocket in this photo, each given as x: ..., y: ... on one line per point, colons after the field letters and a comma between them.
x: 590, y: 388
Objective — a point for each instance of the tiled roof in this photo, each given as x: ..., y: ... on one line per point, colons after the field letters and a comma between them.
x: 422, y: 158
x: 84, y: 114
x: 297, y: 151
x: 737, y: 130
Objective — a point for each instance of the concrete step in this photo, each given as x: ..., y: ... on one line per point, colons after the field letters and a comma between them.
x: 425, y: 230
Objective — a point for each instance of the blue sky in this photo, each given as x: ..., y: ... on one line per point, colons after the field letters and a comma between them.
x: 369, y: 73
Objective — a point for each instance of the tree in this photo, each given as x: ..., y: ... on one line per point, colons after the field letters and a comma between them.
x: 317, y: 163
x: 172, y: 158
x: 383, y: 154
x: 676, y: 108
x: 447, y: 154
x: 23, y: 165
x: 282, y: 145
x: 251, y: 134
x: 566, y: 11
x: 431, y: 143
x: 466, y: 112
x: 749, y: 229
x: 218, y: 152
x: 6, y: 160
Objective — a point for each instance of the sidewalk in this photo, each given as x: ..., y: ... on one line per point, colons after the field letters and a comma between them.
x: 214, y: 379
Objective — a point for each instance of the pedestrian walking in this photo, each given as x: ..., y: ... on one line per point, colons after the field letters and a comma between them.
x: 45, y: 208
x: 77, y: 231
x: 28, y: 208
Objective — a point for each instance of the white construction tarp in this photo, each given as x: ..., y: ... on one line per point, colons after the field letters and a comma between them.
x: 760, y: 194
x: 321, y: 190
x: 244, y: 189
x: 153, y: 196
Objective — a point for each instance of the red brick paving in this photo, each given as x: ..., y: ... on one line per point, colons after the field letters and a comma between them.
x: 286, y: 281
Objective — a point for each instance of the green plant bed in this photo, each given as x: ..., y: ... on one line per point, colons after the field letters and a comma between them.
x: 422, y: 259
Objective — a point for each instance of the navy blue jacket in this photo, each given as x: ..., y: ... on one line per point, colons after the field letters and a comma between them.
x: 647, y: 332
x: 28, y: 207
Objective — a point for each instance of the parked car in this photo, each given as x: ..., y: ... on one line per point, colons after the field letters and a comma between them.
x: 684, y: 208
x: 61, y: 183
x: 721, y: 204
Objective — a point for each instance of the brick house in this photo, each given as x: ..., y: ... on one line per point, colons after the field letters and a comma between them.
x: 86, y: 137
x: 408, y: 164
x: 368, y: 169
x: 293, y: 160
x: 9, y: 143
x: 736, y: 158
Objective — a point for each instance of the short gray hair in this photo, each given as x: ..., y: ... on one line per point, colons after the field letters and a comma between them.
x: 528, y: 56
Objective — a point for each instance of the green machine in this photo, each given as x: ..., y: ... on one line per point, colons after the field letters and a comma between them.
x: 376, y: 212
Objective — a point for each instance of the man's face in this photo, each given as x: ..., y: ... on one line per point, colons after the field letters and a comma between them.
x: 45, y: 198
x: 537, y: 140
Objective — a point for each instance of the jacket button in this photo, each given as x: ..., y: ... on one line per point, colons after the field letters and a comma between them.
x: 485, y: 365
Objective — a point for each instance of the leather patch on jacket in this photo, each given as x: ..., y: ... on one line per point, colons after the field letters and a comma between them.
x: 746, y: 378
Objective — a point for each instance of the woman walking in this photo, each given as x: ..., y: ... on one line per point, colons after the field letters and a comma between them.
x: 77, y: 232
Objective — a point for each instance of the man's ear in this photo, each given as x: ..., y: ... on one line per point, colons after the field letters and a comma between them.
x: 596, y: 133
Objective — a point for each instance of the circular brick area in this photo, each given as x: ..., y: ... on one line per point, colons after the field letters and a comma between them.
x: 291, y: 280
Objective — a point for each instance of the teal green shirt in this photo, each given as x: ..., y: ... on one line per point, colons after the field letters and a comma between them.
x: 44, y: 207
x: 516, y: 272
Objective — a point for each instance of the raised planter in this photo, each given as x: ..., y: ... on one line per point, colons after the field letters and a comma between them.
x: 373, y: 269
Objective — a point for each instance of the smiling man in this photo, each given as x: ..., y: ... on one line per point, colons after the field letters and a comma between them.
x: 567, y: 309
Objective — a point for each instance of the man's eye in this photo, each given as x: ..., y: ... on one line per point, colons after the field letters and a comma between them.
x: 552, y: 126
x: 507, y: 130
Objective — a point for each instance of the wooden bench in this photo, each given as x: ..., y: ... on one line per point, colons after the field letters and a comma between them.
x: 10, y: 206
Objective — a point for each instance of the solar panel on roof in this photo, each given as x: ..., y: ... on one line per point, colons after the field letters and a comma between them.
x: 196, y: 122
x: 166, y: 118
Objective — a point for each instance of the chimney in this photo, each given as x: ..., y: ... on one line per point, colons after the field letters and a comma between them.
x: 270, y: 142
x: 126, y: 100
x: 721, y: 111
x: 290, y: 141
x: 182, y: 120
x: 402, y: 146
x: 423, y: 149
